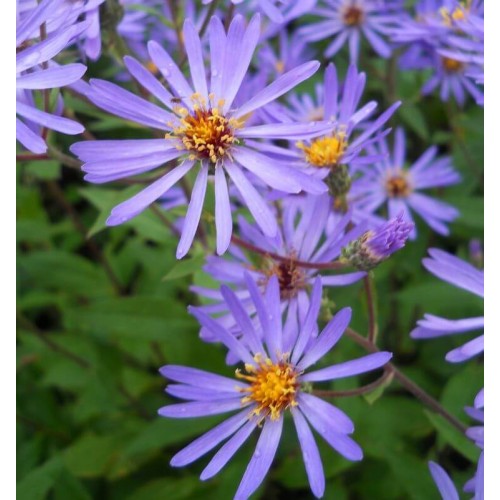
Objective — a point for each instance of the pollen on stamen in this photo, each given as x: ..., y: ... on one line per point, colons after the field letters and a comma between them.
x: 205, y: 132
x: 325, y: 151
x: 397, y: 185
x: 452, y: 65
x: 273, y: 386
x: 458, y: 14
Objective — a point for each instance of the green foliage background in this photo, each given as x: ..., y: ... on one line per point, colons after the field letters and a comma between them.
x: 100, y: 310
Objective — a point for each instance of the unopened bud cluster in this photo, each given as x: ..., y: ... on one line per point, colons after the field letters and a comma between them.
x: 375, y: 246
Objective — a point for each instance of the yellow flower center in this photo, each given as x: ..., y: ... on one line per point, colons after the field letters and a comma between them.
x: 326, y: 151
x: 205, y: 131
x: 273, y: 386
x: 397, y: 185
x: 458, y: 14
x: 353, y: 16
x: 291, y: 278
x: 452, y: 65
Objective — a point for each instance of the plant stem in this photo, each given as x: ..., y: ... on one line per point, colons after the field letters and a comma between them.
x: 31, y: 157
x: 391, y: 71
x: 407, y: 383
x: 229, y: 17
x: 26, y: 323
x: 208, y: 16
x: 159, y: 213
x: 65, y: 159
x: 386, y: 377
x: 372, y: 307
x: 300, y: 263
x: 178, y: 30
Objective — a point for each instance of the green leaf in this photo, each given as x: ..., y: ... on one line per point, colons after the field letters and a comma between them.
x: 164, y: 432
x: 372, y: 396
x: 69, y: 487
x: 69, y: 273
x: 37, y: 484
x: 141, y: 317
x: 44, y: 169
x: 104, y: 200
x: 185, y: 267
x: 412, y: 474
x: 414, y: 118
x: 91, y: 455
x: 461, y: 388
x: 454, y: 437
x: 171, y: 489
x: 471, y: 211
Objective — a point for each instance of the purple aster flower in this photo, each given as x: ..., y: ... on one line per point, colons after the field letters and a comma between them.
x: 202, y: 128
x: 463, y: 275
x: 388, y: 181
x: 437, y: 40
x: 467, y: 48
x: 374, y: 246
x: 302, y: 237
x: 436, y: 20
x: 452, y: 77
x: 348, y: 136
x: 347, y: 21
x: 35, y: 71
x: 272, y: 383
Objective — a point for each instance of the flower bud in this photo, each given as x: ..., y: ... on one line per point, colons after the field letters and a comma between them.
x: 374, y: 246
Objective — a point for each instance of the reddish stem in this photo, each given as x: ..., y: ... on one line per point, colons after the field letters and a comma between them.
x: 299, y: 263
x: 388, y: 374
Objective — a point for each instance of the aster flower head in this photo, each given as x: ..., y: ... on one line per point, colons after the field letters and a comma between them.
x: 388, y: 181
x: 450, y: 73
x: 348, y: 21
x: 379, y: 244
x: 35, y: 70
x: 467, y: 48
x: 445, y: 37
x: 304, y: 235
x: 436, y: 20
x: 271, y: 384
x: 349, y: 134
x: 465, y: 276
x: 201, y: 128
